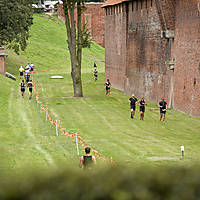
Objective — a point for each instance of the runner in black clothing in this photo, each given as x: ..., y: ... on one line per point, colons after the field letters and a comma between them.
x: 132, y: 101
x: 27, y: 76
x: 87, y: 160
x: 142, y: 103
x: 30, y: 85
x: 22, y: 88
x: 163, y: 107
x: 108, y: 85
x: 95, y: 74
x: 95, y: 65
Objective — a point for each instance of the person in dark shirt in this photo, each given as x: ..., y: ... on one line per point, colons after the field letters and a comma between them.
x: 95, y: 65
x: 95, y: 74
x: 30, y: 86
x: 108, y: 85
x: 163, y: 107
x: 87, y: 161
x: 142, y: 103
x: 22, y: 88
x: 133, y: 101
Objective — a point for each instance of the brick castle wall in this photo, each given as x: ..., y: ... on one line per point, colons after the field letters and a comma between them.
x: 115, y: 46
x: 187, y: 55
x: 136, y: 50
x: 141, y: 37
x: 148, y: 50
x: 94, y: 16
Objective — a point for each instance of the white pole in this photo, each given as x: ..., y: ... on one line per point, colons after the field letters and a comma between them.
x: 182, y: 151
x: 77, y: 145
x: 56, y: 129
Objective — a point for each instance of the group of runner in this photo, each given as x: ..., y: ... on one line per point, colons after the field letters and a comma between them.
x: 107, y: 84
x: 25, y: 74
x: 87, y: 161
x: 133, y: 101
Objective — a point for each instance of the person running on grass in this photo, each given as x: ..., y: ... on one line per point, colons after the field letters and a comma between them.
x: 22, y: 88
x: 87, y: 161
x: 163, y: 107
x: 30, y: 86
x: 142, y: 103
x: 26, y: 75
x: 108, y: 85
x: 21, y: 72
x: 95, y: 64
x: 95, y: 74
x: 133, y: 101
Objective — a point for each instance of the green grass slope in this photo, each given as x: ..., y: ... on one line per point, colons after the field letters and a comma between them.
x: 27, y: 140
x: 48, y: 47
x: 102, y: 122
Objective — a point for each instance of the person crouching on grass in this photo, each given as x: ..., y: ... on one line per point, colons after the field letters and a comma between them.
x: 163, y: 107
x: 22, y: 88
x: 87, y: 161
x: 133, y: 101
x: 142, y: 103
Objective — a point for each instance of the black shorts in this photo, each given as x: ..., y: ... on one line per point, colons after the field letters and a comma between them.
x: 162, y: 112
x: 107, y: 89
x: 22, y: 89
x: 30, y: 90
x: 142, y: 108
x: 132, y: 107
x: 21, y: 73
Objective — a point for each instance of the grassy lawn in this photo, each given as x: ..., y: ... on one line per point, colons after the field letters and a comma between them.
x: 104, y: 123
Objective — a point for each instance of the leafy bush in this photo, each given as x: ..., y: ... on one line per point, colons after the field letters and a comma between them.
x: 110, y: 184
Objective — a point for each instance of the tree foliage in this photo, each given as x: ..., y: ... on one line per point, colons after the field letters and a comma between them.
x: 169, y: 183
x: 15, y: 20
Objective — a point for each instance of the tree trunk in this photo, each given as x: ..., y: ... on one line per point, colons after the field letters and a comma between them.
x: 74, y: 46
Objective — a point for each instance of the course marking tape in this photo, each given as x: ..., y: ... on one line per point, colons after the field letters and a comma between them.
x: 54, y: 122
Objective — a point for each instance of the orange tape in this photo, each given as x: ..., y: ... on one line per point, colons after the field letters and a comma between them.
x: 60, y: 127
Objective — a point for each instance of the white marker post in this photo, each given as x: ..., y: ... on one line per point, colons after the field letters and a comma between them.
x: 77, y: 145
x: 56, y: 129
x: 182, y: 151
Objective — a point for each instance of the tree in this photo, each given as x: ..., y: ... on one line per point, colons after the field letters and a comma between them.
x: 75, y: 41
x: 15, y: 20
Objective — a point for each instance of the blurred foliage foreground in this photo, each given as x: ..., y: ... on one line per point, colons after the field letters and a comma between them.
x: 111, y: 183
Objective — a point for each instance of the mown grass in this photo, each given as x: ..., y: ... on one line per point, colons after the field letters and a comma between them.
x: 103, y: 122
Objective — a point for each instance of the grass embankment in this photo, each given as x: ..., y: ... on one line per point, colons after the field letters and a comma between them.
x: 103, y: 122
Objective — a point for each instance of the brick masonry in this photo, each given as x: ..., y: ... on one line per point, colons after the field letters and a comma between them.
x: 2, y: 61
x: 94, y: 16
x: 141, y: 36
x: 187, y: 55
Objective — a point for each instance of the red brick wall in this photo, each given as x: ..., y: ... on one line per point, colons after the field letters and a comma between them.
x: 94, y: 15
x: 115, y: 46
x: 187, y: 54
x: 135, y: 51
x: 2, y: 62
x: 166, y: 10
x: 61, y: 14
x: 147, y: 74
